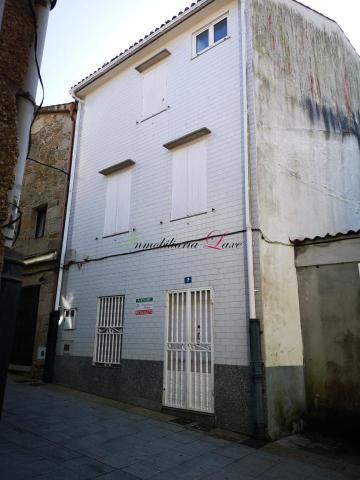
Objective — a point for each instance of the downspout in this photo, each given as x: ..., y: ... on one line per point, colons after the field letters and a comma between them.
x: 254, y: 323
x: 26, y: 106
x: 73, y: 116
x: 69, y: 202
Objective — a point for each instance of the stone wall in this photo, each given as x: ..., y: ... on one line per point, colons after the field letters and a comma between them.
x: 52, y: 135
x: 16, y: 38
x: 42, y: 186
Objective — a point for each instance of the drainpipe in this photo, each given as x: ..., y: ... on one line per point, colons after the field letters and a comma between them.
x: 69, y: 201
x: 26, y: 105
x: 254, y: 323
x: 54, y: 319
x: 11, y: 282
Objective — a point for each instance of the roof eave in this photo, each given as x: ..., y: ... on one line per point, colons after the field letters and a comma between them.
x: 122, y: 58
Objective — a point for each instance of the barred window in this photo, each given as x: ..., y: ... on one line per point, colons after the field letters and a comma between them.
x: 109, y: 331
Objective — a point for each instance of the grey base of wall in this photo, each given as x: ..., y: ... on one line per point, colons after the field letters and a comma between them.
x: 140, y: 383
x: 285, y: 398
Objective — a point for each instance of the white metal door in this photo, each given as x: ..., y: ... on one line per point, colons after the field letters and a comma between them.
x: 188, y: 369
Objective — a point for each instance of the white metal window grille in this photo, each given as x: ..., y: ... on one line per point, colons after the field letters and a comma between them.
x: 109, y: 331
x: 189, y: 366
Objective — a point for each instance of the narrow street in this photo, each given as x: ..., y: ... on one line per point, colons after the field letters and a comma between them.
x: 49, y: 432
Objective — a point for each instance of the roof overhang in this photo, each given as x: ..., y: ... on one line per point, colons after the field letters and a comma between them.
x: 170, y: 25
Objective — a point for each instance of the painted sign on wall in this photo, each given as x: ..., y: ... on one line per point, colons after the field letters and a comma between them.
x: 144, y: 306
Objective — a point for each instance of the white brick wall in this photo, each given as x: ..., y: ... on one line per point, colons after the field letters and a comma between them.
x: 202, y: 92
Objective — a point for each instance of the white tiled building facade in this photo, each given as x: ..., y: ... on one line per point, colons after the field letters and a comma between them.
x: 200, y: 91
x: 160, y: 156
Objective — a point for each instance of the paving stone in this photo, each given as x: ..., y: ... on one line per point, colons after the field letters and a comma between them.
x: 197, y: 468
x: 85, y: 465
x: 234, y: 451
x: 118, y: 475
x: 142, y: 470
x: 59, y: 436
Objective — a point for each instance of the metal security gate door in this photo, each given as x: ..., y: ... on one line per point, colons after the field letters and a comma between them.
x: 188, y: 369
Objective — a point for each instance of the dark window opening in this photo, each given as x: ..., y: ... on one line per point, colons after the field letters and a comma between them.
x: 40, y: 222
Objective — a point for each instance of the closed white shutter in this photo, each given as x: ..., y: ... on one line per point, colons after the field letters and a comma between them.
x: 154, y: 90
x: 189, y: 185
x: 179, y: 184
x: 117, y: 212
x: 123, y: 201
x: 110, y: 210
x: 197, y: 189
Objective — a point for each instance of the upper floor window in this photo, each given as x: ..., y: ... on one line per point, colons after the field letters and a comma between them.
x: 154, y: 90
x: 40, y: 222
x: 210, y: 35
x: 189, y: 185
x: 117, y: 210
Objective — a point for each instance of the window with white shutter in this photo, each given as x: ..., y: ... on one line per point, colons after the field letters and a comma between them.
x: 189, y: 186
x: 117, y: 212
x: 154, y: 90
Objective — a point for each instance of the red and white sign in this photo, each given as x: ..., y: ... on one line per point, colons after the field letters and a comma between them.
x: 144, y: 306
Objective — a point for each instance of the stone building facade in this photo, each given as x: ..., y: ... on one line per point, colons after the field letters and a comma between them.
x: 16, y: 37
x: 43, y: 203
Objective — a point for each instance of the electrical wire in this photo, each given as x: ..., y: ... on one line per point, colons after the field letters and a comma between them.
x: 12, y: 222
x: 38, y: 108
x: 174, y: 245
x: 17, y: 220
x: 49, y: 166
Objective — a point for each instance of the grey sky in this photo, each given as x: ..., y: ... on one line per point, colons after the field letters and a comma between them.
x: 84, y: 34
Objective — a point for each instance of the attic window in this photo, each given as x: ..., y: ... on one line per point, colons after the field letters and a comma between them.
x: 210, y: 35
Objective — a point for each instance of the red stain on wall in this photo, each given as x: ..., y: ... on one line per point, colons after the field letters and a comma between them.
x: 315, y: 87
x: 270, y: 26
x: 347, y: 95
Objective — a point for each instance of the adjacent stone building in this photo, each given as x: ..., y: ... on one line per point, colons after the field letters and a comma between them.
x: 23, y: 26
x: 43, y: 203
x: 16, y: 37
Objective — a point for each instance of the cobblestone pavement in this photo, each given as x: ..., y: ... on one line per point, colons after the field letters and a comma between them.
x: 52, y: 433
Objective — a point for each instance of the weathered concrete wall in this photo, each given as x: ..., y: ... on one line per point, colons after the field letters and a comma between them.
x: 51, y: 144
x: 16, y: 36
x: 330, y: 313
x: 307, y: 90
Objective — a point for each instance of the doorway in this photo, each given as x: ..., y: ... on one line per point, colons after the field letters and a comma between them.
x: 23, y: 346
x: 189, y: 355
